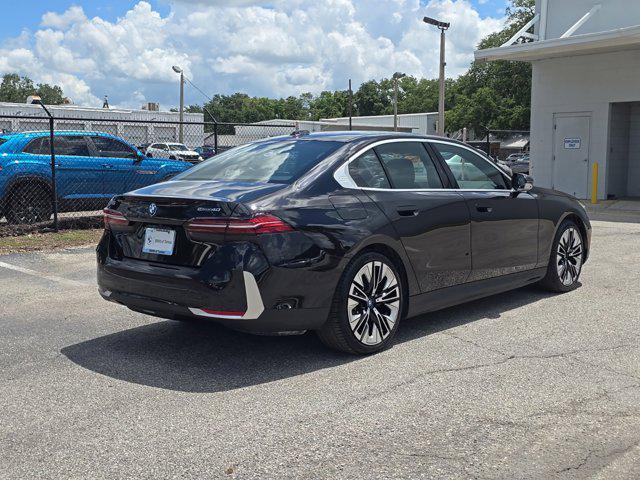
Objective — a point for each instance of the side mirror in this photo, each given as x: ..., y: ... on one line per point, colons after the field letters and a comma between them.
x: 140, y: 157
x: 521, y: 182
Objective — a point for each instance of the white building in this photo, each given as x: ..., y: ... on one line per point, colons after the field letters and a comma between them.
x: 135, y: 126
x: 421, y: 123
x: 586, y: 94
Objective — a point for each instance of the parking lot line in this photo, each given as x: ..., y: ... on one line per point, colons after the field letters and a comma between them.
x: 53, y: 278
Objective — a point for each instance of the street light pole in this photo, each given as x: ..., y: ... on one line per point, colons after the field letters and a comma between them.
x: 443, y: 26
x: 181, y: 129
x: 396, y: 76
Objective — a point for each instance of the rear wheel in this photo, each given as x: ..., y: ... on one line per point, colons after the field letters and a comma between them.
x: 28, y: 204
x: 565, y: 264
x: 367, y: 308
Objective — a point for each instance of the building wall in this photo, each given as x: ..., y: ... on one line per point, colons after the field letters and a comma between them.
x: 613, y: 14
x: 421, y: 123
x: 588, y: 83
x: 105, y: 120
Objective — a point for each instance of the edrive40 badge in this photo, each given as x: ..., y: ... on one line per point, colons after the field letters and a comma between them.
x: 153, y: 209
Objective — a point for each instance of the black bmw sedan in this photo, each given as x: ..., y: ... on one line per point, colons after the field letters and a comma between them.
x: 343, y: 233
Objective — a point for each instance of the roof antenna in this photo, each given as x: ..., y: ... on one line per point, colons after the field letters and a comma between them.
x: 106, y: 102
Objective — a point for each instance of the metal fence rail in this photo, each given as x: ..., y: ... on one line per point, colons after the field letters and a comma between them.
x: 57, y: 172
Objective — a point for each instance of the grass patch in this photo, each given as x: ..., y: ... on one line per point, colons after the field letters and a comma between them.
x: 49, y: 241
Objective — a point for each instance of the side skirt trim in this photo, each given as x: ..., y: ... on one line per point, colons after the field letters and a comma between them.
x: 468, y: 292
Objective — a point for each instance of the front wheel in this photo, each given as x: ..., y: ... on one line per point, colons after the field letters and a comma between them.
x: 565, y: 264
x: 367, y: 307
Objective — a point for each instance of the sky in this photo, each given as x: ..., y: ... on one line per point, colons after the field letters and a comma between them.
x: 125, y: 49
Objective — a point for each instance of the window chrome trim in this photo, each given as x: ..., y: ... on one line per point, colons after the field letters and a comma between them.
x: 341, y: 174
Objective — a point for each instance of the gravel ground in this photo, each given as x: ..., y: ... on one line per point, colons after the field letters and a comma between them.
x: 520, y: 385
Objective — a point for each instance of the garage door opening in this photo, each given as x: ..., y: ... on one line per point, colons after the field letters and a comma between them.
x: 623, y: 162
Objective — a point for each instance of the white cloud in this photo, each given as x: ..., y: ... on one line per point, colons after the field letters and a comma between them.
x: 273, y: 48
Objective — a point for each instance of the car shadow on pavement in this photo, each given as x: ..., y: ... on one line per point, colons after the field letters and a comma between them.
x: 204, y: 357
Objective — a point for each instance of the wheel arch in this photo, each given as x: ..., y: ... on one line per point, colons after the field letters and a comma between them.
x: 577, y: 219
x: 396, y: 254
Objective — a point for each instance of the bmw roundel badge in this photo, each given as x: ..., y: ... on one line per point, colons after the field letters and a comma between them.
x: 153, y: 209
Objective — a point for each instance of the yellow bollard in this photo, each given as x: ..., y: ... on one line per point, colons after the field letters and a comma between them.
x: 594, y: 184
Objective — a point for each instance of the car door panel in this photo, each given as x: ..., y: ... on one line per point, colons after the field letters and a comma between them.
x: 435, y: 231
x: 504, y: 223
x: 504, y: 233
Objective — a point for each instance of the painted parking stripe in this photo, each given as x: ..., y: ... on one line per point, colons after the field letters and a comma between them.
x: 34, y: 273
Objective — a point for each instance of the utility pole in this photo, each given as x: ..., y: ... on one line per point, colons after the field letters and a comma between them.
x: 181, y: 129
x: 350, y: 107
x: 443, y: 26
x: 396, y: 76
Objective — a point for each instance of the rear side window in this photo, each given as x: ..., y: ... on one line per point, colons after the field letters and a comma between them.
x: 366, y: 171
x: 281, y: 161
x: 111, y: 148
x: 409, y: 166
x: 34, y: 147
x: 3, y: 140
x: 72, y: 146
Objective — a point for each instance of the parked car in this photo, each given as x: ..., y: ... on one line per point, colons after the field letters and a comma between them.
x: 173, y: 151
x: 343, y: 233
x: 521, y: 165
x: 205, y: 151
x: 515, y: 156
x: 91, y: 167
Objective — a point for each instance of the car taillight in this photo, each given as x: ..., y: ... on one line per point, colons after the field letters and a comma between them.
x: 257, y: 225
x: 114, y: 218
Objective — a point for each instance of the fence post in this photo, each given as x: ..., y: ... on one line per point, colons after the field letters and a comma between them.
x: 215, y: 137
x: 54, y: 193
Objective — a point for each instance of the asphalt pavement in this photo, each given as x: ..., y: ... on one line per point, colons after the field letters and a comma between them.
x: 519, y: 385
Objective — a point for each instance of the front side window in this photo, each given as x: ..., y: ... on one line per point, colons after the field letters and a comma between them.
x: 281, y: 161
x: 409, y: 166
x: 111, y: 148
x: 367, y: 172
x: 471, y: 171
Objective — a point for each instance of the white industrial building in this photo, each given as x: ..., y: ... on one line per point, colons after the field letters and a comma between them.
x: 421, y: 123
x: 128, y: 124
x: 586, y: 94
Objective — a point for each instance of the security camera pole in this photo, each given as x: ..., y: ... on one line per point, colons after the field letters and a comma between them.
x: 443, y: 26
x: 396, y: 76
x: 181, y: 131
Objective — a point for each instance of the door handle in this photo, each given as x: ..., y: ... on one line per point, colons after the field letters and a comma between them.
x: 483, y: 209
x: 408, y: 211
x: 107, y: 165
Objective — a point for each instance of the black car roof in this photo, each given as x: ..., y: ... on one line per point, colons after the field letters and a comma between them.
x: 349, y: 136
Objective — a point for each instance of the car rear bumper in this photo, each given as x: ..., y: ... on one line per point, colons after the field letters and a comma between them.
x: 181, y: 293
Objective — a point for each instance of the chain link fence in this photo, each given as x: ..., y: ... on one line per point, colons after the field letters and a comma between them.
x: 60, y: 172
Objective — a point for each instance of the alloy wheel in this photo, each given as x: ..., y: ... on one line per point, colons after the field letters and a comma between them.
x: 569, y: 256
x: 374, y: 303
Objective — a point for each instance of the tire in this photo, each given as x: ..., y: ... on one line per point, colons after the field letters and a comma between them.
x: 358, y: 322
x: 565, y: 263
x: 29, y: 204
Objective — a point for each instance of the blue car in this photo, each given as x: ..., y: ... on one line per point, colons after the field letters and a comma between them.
x: 91, y: 167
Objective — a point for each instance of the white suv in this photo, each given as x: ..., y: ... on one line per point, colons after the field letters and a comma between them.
x: 173, y: 151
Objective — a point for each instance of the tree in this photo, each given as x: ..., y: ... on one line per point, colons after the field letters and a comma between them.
x: 503, y: 87
x: 16, y: 89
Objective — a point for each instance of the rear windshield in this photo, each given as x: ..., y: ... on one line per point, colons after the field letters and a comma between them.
x: 266, y: 162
